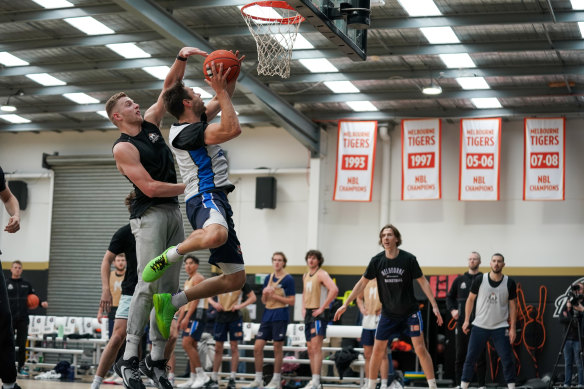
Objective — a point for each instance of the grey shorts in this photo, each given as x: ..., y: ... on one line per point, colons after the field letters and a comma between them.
x: 124, y: 307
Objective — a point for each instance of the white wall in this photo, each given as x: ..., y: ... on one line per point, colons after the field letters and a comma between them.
x: 439, y: 232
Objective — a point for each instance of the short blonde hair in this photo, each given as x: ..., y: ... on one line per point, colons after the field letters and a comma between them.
x: 111, y: 103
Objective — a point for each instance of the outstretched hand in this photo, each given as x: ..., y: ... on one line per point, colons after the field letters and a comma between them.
x: 188, y: 51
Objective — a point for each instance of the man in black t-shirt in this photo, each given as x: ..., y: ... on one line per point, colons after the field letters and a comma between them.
x: 7, y: 355
x: 455, y: 302
x: 395, y: 271
x: 122, y: 242
x: 228, y: 322
x: 143, y: 157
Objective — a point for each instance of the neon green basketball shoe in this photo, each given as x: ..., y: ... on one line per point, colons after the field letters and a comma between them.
x: 164, y: 311
x: 156, y: 267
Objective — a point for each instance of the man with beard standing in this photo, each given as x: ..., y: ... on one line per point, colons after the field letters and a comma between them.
x: 455, y: 302
x: 496, y: 300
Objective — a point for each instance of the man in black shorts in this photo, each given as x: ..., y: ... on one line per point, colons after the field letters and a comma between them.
x: 7, y: 355
x: 142, y: 156
x: 395, y: 271
x: 455, y: 303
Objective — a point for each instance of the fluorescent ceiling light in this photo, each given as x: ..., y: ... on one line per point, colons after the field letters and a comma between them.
x: 420, y: 7
x: 80, y: 98
x: 128, y: 50
x: 439, y: 35
x: 8, y: 59
x: 89, y: 25
x: 472, y: 83
x: 45, y: 79
x: 318, y: 65
x: 486, y: 102
x: 581, y: 27
x: 159, y: 72
x: 102, y: 113
x: 457, y: 61
x: 361, y: 106
x: 14, y: 119
x: 8, y: 108
x: 342, y: 86
x: 577, y: 4
x: 53, y: 3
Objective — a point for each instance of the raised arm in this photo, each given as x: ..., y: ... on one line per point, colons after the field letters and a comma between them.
x: 425, y: 285
x: 13, y: 209
x: 213, y: 106
x: 128, y: 163
x: 176, y: 73
x: 357, y: 291
x: 228, y: 127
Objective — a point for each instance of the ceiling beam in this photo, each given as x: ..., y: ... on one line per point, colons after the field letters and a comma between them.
x: 516, y: 112
x: 71, y: 125
x: 283, y: 113
x: 58, y: 14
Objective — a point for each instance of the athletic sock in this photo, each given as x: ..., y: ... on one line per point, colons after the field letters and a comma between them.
x: 215, y: 376
x: 173, y: 255
x: 277, y: 377
x: 366, y: 382
x: 511, y: 385
x: 384, y: 382
x: 97, y: 380
x: 464, y: 385
x: 8, y: 386
x: 199, y: 372
x: 258, y: 376
x: 432, y: 383
x: 372, y: 383
x: 193, y: 376
x: 179, y: 299
x: 132, y: 343
x: 232, y: 375
x: 315, y: 380
x: 157, y: 352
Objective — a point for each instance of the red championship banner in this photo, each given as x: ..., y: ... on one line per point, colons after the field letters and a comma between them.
x: 355, y: 160
x: 544, y: 167
x: 480, y: 150
x: 421, y: 159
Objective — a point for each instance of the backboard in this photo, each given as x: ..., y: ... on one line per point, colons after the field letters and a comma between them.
x: 351, y: 41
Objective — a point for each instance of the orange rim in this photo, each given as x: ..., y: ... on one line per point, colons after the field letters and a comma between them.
x: 273, y: 4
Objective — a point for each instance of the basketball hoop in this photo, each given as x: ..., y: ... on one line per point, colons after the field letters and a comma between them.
x: 274, y: 26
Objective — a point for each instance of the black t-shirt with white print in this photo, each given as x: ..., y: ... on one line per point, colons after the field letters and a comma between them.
x: 395, y: 282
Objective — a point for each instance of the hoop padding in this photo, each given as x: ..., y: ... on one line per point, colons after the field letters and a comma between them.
x: 274, y: 26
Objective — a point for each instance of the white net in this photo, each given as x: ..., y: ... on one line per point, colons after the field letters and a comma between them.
x: 274, y: 27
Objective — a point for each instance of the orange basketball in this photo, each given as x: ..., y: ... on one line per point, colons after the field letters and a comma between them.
x: 227, y: 58
x: 32, y: 301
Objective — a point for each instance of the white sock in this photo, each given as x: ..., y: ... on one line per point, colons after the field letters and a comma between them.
x: 372, y: 383
x: 464, y: 385
x: 232, y: 375
x: 200, y: 372
x: 215, y: 376
x: 8, y: 386
x: 316, y: 380
x: 511, y: 385
x: 157, y: 352
x: 277, y: 377
x: 193, y: 376
x: 170, y: 375
x: 173, y: 255
x: 179, y: 299
x: 366, y: 382
x: 384, y: 382
x: 432, y: 383
x: 132, y: 343
x: 258, y: 376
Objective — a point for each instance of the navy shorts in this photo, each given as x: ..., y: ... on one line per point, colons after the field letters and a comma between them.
x: 273, y: 330
x: 195, y: 329
x: 234, y: 328
x: 198, y: 211
x: 367, y: 337
x: 411, y: 325
x: 315, y: 328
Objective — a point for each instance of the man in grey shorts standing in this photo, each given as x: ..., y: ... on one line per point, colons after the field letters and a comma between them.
x: 142, y: 156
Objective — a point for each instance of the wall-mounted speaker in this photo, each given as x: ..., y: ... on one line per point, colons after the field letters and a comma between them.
x: 20, y: 190
x: 265, y: 192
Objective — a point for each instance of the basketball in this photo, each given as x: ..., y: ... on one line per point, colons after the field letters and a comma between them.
x: 227, y: 58
x: 32, y: 301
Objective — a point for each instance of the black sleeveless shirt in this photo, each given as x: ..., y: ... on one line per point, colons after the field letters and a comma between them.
x: 156, y: 158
